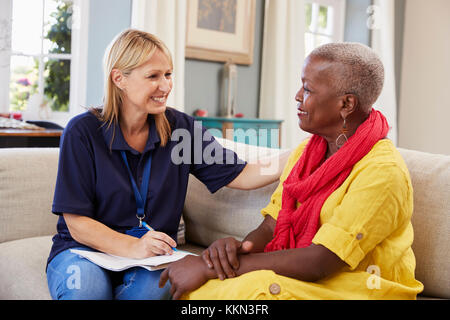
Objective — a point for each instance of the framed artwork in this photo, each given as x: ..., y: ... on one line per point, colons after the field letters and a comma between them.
x: 221, y: 30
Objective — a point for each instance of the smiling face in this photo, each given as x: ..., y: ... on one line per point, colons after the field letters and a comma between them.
x: 319, y: 105
x: 147, y: 87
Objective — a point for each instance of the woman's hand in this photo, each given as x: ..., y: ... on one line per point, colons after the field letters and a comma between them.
x: 185, y: 275
x: 153, y: 243
x: 222, y: 256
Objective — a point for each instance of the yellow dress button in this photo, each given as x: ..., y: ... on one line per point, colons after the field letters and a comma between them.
x: 274, y: 288
x: 359, y: 236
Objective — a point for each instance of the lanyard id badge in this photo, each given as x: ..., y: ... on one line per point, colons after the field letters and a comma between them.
x: 140, y: 194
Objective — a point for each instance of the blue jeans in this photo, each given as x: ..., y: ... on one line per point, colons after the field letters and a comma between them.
x: 71, y: 277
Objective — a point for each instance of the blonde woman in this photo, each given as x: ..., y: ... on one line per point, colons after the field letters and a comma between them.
x: 116, y: 171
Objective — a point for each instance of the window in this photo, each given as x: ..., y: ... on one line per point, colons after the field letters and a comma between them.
x: 41, y: 54
x: 44, y: 57
x: 324, y: 23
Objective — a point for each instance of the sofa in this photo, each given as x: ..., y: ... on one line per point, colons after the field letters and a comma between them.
x: 27, y: 180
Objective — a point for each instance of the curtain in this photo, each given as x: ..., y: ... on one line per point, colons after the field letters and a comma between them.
x: 167, y: 20
x: 383, y: 43
x: 5, y: 52
x: 282, y: 62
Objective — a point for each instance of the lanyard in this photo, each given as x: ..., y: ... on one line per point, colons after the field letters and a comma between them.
x: 140, y: 195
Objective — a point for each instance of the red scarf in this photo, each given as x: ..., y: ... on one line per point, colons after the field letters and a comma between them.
x: 312, y: 181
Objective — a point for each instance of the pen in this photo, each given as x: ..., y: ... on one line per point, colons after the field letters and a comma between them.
x: 151, y: 229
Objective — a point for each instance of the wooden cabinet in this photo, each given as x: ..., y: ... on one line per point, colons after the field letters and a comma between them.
x: 258, y: 132
x: 15, y: 138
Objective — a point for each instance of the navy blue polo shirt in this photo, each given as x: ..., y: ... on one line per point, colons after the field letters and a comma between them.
x: 93, y: 180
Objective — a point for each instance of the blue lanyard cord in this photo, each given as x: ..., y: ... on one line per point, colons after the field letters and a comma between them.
x: 140, y: 195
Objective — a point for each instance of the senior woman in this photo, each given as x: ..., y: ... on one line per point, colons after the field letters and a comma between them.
x: 339, y: 224
x: 120, y: 166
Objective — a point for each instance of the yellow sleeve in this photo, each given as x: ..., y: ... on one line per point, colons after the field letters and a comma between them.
x: 274, y: 205
x: 377, y: 202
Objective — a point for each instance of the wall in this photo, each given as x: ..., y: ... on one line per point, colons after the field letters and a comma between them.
x: 202, y: 79
x: 425, y: 95
x: 399, y: 31
x: 106, y: 19
x: 356, y: 21
x: 5, y: 53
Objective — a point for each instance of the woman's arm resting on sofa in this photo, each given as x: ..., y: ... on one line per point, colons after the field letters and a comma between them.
x: 260, y: 174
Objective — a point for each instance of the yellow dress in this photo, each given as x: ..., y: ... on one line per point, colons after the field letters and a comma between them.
x: 366, y: 222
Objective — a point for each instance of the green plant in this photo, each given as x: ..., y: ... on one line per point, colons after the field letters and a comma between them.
x: 57, y: 87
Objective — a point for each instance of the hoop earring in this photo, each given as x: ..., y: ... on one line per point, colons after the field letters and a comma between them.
x: 342, y: 139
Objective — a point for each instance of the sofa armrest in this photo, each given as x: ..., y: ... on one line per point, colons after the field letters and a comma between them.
x: 27, y: 182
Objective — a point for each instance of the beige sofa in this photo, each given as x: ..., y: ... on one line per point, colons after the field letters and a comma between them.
x: 27, y: 179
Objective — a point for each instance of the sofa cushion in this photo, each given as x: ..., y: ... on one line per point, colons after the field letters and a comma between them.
x: 22, y: 265
x: 430, y: 177
x: 228, y: 212
x: 27, y: 182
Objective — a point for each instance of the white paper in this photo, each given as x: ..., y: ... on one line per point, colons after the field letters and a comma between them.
x: 115, y: 263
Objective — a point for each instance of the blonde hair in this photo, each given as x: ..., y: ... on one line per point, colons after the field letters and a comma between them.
x: 129, y: 50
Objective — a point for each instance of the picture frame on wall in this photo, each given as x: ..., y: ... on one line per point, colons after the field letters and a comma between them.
x: 221, y: 30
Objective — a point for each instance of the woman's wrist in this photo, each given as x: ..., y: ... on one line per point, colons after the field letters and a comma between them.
x: 261, y: 236
x: 209, y: 273
x: 132, y: 247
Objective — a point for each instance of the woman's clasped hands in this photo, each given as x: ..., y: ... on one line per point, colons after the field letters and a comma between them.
x: 219, y: 260
x: 222, y: 256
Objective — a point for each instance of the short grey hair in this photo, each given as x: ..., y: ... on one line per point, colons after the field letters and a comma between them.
x: 361, y: 72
